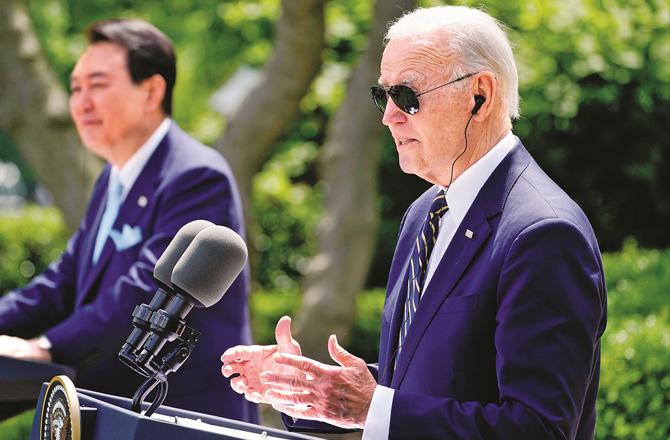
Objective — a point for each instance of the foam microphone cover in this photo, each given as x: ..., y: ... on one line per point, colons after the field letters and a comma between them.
x: 176, y: 248
x: 210, y: 264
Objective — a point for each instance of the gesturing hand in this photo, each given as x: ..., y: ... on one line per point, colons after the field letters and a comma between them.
x: 337, y: 395
x: 250, y: 360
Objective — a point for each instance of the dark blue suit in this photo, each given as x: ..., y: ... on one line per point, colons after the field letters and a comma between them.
x: 505, y: 343
x: 85, y: 309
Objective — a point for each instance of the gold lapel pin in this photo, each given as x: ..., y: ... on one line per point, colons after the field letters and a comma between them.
x: 469, y: 233
x: 142, y: 201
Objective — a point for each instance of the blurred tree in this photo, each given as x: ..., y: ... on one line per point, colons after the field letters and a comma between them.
x: 34, y: 112
x: 348, y: 227
x: 271, y: 107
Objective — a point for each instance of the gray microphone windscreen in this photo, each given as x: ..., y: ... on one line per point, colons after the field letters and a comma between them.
x: 176, y: 248
x: 210, y: 264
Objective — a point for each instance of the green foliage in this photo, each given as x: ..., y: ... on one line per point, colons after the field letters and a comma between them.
x: 287, y: 213
x: 594, y: 80
x: 638, y: 282
x: 30, y: 239
x: 595, y: 87
x: 267, y: 306
x: 364, y: 340
x: 18, y: 427
x: 634, y: 397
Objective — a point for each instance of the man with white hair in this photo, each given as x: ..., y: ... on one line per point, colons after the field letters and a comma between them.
x: 496, y: 298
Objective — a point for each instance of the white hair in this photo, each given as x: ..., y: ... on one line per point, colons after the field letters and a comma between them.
x: 477, y: 40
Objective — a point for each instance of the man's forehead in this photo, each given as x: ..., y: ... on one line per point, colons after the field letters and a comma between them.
x: 100, y: 58
x: 411, y: 59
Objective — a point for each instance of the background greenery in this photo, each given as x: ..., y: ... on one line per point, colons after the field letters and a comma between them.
x: 595, y: 83
x: 594, y: 80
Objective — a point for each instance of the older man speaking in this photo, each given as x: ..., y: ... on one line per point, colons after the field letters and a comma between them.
x: 496, y: 298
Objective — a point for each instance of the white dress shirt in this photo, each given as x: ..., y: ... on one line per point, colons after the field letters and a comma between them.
x: 460, y: 196
x: 131, y: 170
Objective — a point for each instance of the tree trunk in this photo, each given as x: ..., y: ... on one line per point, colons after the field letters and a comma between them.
x: 348, y: 228
x: 270, y: 108
x: 34, y: 113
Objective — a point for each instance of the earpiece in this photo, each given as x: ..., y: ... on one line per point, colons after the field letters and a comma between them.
x: 479, y: 101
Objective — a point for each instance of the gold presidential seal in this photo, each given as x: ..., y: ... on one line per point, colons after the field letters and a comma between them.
x: 59, y: 419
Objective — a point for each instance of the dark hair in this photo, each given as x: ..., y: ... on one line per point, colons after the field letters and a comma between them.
x: 149, y: 51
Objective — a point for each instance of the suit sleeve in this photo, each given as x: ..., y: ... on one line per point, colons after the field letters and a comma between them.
x: 548, y: 324
x: 96, y: 328
x: 46, y: 300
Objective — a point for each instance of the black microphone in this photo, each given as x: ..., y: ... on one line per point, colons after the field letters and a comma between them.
x: 201, y: 277
x: 162, y: 274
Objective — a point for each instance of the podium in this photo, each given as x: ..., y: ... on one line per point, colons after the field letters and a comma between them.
x: 21, y: 381
x: 90, y: 415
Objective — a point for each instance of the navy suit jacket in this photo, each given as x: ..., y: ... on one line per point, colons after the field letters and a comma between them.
x: 85, y: 309
x: 505, y: 343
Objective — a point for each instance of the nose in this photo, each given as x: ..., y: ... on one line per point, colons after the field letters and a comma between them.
x: 393, y: 114
x: 80, y: 102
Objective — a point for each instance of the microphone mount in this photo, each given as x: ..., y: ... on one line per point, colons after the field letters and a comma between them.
x: 165, y: 326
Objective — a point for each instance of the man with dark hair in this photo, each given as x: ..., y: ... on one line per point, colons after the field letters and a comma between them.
x: 78, y: 312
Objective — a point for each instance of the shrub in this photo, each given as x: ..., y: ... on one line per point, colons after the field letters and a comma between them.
x: 29, y: 240
x: 638, y: 281
x: 634, y: 396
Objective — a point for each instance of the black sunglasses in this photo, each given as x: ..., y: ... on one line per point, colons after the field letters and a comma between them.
x: 403, y: 96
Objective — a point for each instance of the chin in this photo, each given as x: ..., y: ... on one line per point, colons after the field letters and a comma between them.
x: 95, y: 147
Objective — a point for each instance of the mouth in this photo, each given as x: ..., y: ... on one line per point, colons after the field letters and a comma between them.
x: 400, y: 142
x: 90, y: 122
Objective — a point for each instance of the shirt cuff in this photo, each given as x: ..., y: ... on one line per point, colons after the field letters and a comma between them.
x: 44, y: 343
x: 378, y: 420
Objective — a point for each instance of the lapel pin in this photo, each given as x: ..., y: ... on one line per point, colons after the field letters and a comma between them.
x: 142, y: 201
x: 469, y: 233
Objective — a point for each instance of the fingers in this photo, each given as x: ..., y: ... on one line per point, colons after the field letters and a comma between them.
x: 301, y: 363
x: 284, y: 336
x: 342, y: 356
x: 297, y: 411
x: 290, y: 382
x: 238, y: 384
x: 280, y: 397
x: 241, y: 353
x: 283, y: 331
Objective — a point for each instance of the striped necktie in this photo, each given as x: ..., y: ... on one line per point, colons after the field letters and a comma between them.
x: 421, y: 251
x: 114, y: 193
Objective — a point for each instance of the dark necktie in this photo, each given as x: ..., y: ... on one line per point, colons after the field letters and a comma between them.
x: 421, y: 251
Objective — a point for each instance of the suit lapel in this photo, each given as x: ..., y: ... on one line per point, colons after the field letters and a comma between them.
x: 393, y: 312
x: 133, y: 207
x: 85, y: 260
x: 397, y: 287
x: 456, y: 259
x: 461, y: 251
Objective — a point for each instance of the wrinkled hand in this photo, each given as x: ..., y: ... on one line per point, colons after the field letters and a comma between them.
x: 11, y: 346
x: 249, y: 361
x: 337, y: 395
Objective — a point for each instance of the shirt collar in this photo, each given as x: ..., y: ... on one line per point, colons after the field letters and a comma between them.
x: 131, y: 170
x: 465, y: 188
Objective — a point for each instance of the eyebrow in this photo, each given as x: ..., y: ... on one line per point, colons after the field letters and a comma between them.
x: 92, y: 75
x: 409, y: 79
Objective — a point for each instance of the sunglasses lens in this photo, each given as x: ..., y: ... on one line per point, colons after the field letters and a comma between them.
x: 405, y: 98
x: 379, y: 97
